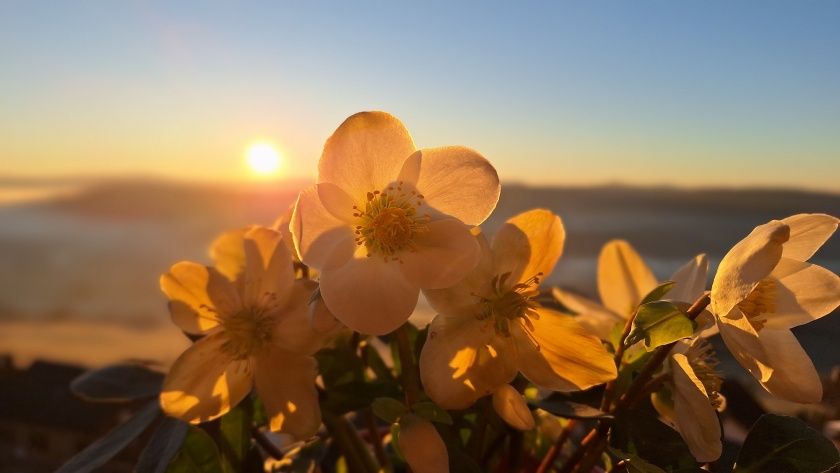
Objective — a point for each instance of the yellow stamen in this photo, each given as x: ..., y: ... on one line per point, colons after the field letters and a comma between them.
x: 514, y: 304
x: 703, y: 360
x: 249, y: 332
x: 390, y: 222
x: 761, y: 301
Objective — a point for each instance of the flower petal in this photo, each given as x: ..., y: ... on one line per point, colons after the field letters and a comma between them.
x: 742, y: 340
x: 286, y: 385
x: 623, y: 277
x: 369, y: 295
x: 462, y: 360
x: 198, y: 296
x: 365, y: 153
x: 463, y: 297
x: 455, y: 181
x: 444, y: 255
x: 269, y: 271
x: 204, y: 382
x: 322, y: 241
x: 283, y: 225
x: 294, y: 332
x: 422, y: 445
x: 746, y: 264
x: 592, y: 316
x: 690, y: 280
x: 528, y: 244
x: 696, y: 419
x: 808, y: 232
x: 511, y: 406
x: 228, y: 253
x: 566, y: 358
x: 804, y: 293
x: 794, y: 377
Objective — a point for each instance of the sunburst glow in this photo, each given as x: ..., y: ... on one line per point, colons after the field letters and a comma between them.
x: 263, y: 159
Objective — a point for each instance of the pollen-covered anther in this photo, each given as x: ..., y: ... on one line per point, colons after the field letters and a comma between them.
x: 516, y: 303
x: 703, y: 360
x: 761, y: 301
x: 249, y: 332
x: 390, y: 222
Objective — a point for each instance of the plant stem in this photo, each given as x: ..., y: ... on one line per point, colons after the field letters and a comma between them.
x: 410, y: 376
x: 609, y: 389
x: 548, y: 460
x: 347, y: 438
x: 376, y: 440
x: 596, y: 439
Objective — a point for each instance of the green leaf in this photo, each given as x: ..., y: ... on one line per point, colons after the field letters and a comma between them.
x: 355, y: 395
x: 99, y: 452
x: 658, y: 292
x: 432, y: 412
x: 785, y: 444
x: 640, y: 432
x: 163, y: 446
x: 634, y: 463
x: 235, y: 437
x: 198, y: 454
x: 659, y: 323
x: 339, y: 366
x: 560, y: 407
x: 388, y: 409
x: 118, y: 383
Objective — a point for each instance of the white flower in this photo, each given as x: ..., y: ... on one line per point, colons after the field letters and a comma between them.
x: 386, y: 220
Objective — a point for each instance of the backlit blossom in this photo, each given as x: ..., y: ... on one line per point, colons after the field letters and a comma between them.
x: 386, y: 220
x: 623, y: 281
x: 764, y: 287
x: 491, y: 326
x: 690, y: 401
x: 253, y: 316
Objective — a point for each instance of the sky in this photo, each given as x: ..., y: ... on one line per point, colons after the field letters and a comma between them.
x: 695, y: 93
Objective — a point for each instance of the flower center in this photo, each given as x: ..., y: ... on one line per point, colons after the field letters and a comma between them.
x: 516, y: 304
x: 249, y: 332
x: 390, y: 222
x: 762, y: 300
x: 701, y: 356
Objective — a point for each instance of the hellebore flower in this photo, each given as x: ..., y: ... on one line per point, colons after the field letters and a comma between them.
x: 623, y: 281
x: 253, y: 316
x: 691, y: 400
x: 386, y: 220
x: 490, y: 326
x: 764, y: 287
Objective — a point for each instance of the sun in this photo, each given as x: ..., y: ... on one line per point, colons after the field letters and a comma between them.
x: 263, y: 159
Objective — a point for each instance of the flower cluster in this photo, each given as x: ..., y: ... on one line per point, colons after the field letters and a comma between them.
x: 386, y: 222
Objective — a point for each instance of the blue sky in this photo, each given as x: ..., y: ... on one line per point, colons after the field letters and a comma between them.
x: 684, y: 93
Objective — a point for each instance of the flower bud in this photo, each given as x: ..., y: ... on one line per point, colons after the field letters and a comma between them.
x: 511, y: 406
x: 421, y: 445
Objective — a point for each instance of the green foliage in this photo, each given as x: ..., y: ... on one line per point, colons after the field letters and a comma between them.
x: 235, y: 437
x: 785, y: 444
x: 388, y: 409
x: 123, y: 382
x: 557, y: 405
x: 639, y: 432
x: 635, y: 464
x: 98, y: 453
x: 658, y: 292
x: 198, y: 454
x: 163, y: 445
x: 660, y: 323
x: 432, y: 412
